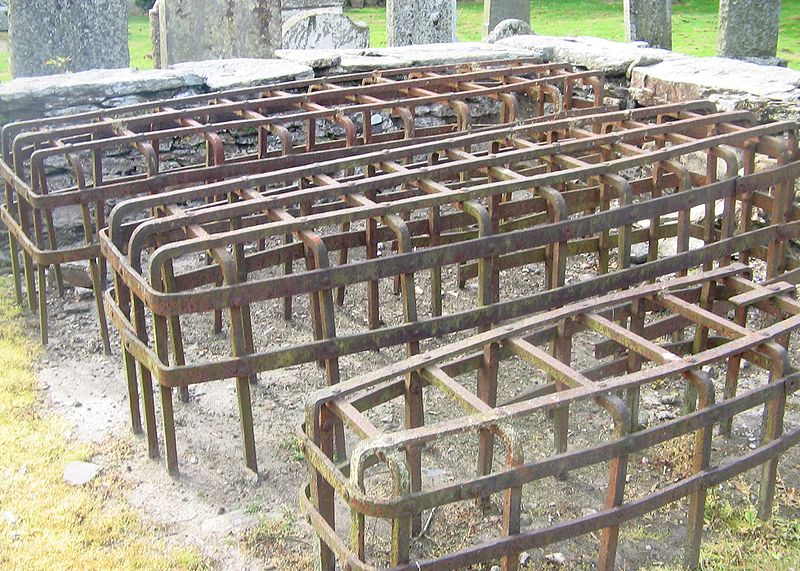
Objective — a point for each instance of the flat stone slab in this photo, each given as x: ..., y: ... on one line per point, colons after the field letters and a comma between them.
x: 612, y: 58
x: 91, y: 86
x: 773, y: 92
x: 80, y: 473
x: 352, y: 61
x: 242, y: 72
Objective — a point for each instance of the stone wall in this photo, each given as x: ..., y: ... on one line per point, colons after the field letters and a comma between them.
x: 635, y: 74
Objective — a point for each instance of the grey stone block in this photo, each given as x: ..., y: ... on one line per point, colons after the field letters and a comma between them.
x: 748, y: 28
x: 49, y: 37
x: 323, y: 29
x: 410, y: 22
x: 216, y: 29
x: 234, y: 73
x: 495, y: 11
x: 507, y: 29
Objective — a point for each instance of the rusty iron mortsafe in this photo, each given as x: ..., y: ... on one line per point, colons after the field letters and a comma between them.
x: 661, y: 335
x: 235, y: 133
x: 581, y: 191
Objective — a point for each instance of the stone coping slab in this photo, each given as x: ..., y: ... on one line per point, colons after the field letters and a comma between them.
x: 95, y: 84
x: 243, y: 72
x: 773, y: 92
x: 612, y: 58
x: 655, y: 74
x: 352, y: 60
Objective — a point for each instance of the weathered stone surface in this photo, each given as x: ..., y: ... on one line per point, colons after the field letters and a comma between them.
x: 3, y: 15
x: 772, y: 92
x: 351, y: 61
x: 507, y: 29
x: 89, y: 87
x: 214, y: 29
x: 71, y: 35
x: 748, y: 28
x: 232, y: 73
x: 495, y: 11
x: 410, y: 22
x: 234, y: 523
x: 612, y: 58
x: 649, y: 21
x: 80, y: 473
x: 323, y: 29
x: 155, y: 35
x: 291, y: 8
x: 316, y: 59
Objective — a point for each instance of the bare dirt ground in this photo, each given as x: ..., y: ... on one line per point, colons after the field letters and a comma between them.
x: 215, y: 501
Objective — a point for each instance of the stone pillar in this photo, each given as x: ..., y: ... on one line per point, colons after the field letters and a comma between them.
x: 410, y: 22
x: 649, y: 21
x: 748, y: 28
x: 216, y: 29
x: 49, y: 37
x: 495, y: 11
x: 155, y: 35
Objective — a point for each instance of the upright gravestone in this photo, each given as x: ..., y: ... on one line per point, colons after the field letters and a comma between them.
x: 323, y: 29
x: 49, y: 37
x: 3, y: 15
x: 649, y: 21
x: 291, y: 8
x: 214, y: 29
x: 495, y: 11
x: 748, y: 28
x: 410, y: 22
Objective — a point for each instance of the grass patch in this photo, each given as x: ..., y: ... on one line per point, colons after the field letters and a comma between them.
x: 694, y: 23
x: 694, y: 27
x: 45, y: 523
x: 277, y: 541
x: 742, y: 541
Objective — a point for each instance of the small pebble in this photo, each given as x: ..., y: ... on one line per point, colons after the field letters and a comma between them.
x: 556, y: 558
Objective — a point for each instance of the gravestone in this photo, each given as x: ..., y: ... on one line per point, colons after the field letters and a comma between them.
x: 410, y: 22
x: 507, y: 29
x: 49, y: 37
x: 495, y: 11
x: 218, y: 29
x: 291, y: 8
x: 3, y: 15
x: 649, y: 21
x: 748, y: 28
x: 155, y: 35
x: 323, y: 29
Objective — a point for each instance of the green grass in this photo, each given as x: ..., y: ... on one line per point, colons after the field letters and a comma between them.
x: 694, y: 26
x: 55, y: 525
x: 694, y: 23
